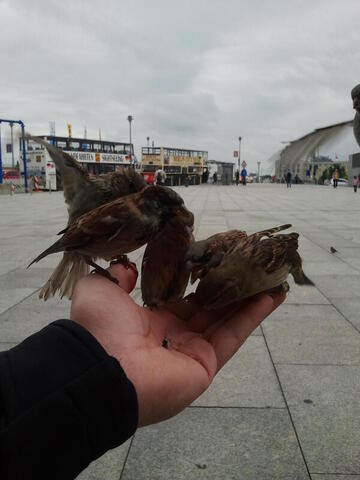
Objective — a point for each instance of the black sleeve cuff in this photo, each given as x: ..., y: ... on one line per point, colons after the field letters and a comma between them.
x: 63, y: 403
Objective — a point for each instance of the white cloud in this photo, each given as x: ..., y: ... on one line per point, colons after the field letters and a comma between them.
x: 193, y: 73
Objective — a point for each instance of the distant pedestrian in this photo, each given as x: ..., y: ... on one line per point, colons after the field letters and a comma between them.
x: 160, y: 177
x: 237, y: 177
x: 288, y: 179
x: 215, y: 178
x: 335, y: 178
x: 355, y: 183
x: 297, y: 179
x: 243, y: 176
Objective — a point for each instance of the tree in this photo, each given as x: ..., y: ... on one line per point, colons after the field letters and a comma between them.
x: 328, y: 172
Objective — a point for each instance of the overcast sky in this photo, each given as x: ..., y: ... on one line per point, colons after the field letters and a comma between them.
x: 193, y: 73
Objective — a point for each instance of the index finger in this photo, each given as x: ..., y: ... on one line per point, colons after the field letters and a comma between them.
x: 227, y: 337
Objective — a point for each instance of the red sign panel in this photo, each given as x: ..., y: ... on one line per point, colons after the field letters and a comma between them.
x: 236, y: 153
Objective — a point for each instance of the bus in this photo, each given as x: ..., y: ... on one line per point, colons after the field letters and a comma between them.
x: 96, y: 156
x: 180, y: 165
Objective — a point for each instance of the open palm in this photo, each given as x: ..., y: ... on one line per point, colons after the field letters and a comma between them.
x: 170, y: 354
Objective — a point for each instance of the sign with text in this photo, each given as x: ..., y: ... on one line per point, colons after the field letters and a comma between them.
x: 95, y: 157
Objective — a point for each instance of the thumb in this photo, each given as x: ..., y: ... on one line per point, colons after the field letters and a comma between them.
x: 125, y: 274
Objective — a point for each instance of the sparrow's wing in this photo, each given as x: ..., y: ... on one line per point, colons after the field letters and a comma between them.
x: 164, y: 274
x: 73, y: 176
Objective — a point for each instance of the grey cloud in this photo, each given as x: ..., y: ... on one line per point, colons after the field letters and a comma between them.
x: 193, y: 73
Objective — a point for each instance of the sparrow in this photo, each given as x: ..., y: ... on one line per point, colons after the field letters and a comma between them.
x: 355, y: 95
x: 114, y: 229
x: 206, y: 254
x: 83, y: 193
x: 164, y: 273
x: 333, y: 250
x: 257, y: 263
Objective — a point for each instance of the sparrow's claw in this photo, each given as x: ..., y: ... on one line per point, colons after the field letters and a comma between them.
x: 101, y: 271
x: 125, y: 261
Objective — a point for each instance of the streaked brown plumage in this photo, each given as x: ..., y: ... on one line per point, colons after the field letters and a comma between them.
x: 355, y: 95
x: 116, y: 228
x: 83, y: 193
x: 164, y: 273
x: 257, y: 263
x: 206, y: 254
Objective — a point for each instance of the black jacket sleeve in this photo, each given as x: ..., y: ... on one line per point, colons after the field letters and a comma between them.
x: 63, y: 403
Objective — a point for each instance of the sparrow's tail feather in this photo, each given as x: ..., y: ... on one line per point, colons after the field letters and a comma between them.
x: 71, y: 268
x: 55, y: 247
x: 300, y: 278
x: 271, y: 231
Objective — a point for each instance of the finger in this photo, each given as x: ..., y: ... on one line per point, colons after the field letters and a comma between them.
x: 185, y: 308
x: 229, y: 335
x: 202, y: 319
x: 124, y: 275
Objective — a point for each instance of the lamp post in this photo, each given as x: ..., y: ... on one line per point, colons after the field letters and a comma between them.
x: 239, y: 154
x: 130, y: 119
x: 258, y: 164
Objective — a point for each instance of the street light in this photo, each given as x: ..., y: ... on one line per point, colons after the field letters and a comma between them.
x: 239, y: 154
x: 130, y: 119
x: 148, y: 141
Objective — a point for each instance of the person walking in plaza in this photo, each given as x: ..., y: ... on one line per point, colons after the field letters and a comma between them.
x: 160, y: 177
x: 237, y: 177
x: 355, y: 183
x: 215, y: 178
x: 243, y: 176
x: 288, y: 179
x: 335, y: 178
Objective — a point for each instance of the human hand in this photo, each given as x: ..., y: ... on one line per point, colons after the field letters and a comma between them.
x: 171, y: 354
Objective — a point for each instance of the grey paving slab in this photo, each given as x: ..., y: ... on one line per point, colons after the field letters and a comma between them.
x: 107, y: 467
x: 248, y: 380
x: 6, y: 346
x: 305, y: 294
x: 331, y: 267
x: 216, y: 443
x: 311, y: 334
x: 334, y: 477
x: 324, y: 405
x: 226, y: 440
x: 343, y: 286
x: 29, y: 316
x: 350, y: 308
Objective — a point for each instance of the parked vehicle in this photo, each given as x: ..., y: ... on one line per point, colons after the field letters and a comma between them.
x: 342, y: 182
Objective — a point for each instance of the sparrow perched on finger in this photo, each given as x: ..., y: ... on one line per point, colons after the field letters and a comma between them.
x: 83, y: 193
x: 257, y: 263
x: 116, y: 228
x: 164, y: 273
x: 206, y: 254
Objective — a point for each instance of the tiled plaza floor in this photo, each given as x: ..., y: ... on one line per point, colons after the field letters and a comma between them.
x: 287, y: 406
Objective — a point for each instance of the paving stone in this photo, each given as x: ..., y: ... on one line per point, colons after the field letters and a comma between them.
x: 340, y: 286
x: 329, y: 268
x: 216, y: 443
x: 320, y: 476
x: 305, y: 294
x: 6, y: 346
x: 350, y: 308
x: 247, y: 380
x: 107, y: 467
x: 311, y: 334
x: 30, y: 316
x: 324, y: 405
